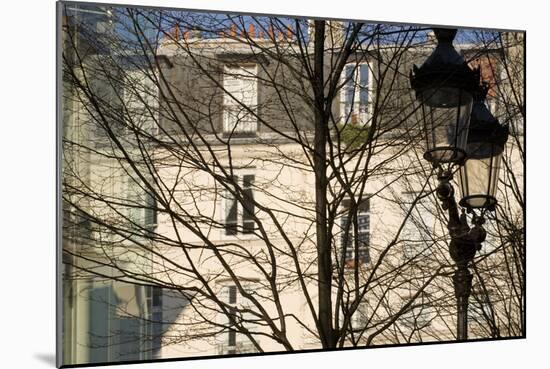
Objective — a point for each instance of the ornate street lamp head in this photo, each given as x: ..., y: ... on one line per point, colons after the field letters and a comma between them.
x: 444, y: 86
x: 485, y: 145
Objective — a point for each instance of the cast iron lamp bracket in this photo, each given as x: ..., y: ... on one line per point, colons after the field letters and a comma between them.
x: 465, y: 242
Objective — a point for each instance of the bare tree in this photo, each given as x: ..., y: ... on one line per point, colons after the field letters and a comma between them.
x: 253, y: 168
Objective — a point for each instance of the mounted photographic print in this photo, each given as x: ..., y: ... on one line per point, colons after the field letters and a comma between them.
x: 241, y: 184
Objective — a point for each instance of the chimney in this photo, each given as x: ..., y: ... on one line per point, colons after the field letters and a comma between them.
x: 233, y: 30
x: 289, y: 33
x: 251, y: 31
x: 176, y: 32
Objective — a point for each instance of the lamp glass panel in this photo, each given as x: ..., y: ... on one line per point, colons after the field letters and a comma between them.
x: 479, y: 174
x: 446, y: 117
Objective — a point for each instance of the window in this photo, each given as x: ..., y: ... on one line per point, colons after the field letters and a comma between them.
x: 234, y: 342
x: 150, y: 210
x: 140, y: 104
x: 352, y: 251
x: 239, y: 215
x: 110, y: 115
x: 359, y: 319
x: 154, y: 302
x: 142, y: 210
x: 232, y: 332
x: 83, y: 226
x: 240, y: 100
x: 354, y: 95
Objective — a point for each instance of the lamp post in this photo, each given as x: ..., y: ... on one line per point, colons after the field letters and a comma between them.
x: 460, y: 131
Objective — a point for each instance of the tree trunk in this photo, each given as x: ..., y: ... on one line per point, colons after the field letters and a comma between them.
x: 323, y: 244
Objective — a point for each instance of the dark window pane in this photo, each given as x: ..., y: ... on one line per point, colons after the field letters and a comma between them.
x: 232, y: 337
x: 363, y: 82
x: 248, y: 181
x: 157, y: 317
x: 363, y: 231
x: 150, y: 210
x: 232, y: 294
x: 248, y: 204
x: 129, y: 340
x: 231, y: 229
x: 248, y: 227
x: 349, y: 86
x: 99, y: 324
x: 363, y: 239
x: 345, y: 238
x: 157, y: 297
x: 231, y: 212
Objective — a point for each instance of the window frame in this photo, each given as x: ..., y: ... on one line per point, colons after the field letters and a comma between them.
x: 240, y: 174
x: 156, y: 318
x: 347, y: 117
x: 137, y: 194
x: 241, y: 344
x: 232, y: 103
x: 342, y: 237
x: 359, y: 319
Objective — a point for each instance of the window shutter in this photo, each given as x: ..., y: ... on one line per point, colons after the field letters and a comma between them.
x: 231, y: 214
x: 363, y: 232
x: 232, y: 290
x: 150, y: 211
x: 248, y: 204
x: 349, y: 84
x: 363, y: 85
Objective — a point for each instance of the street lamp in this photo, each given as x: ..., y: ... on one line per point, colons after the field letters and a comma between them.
x: 446, y: 89
x: 444, y: 86
x: 479, y: 175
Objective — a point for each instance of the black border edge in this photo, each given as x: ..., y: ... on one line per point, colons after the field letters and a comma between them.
x: 525, y: 183
x: 58, y: 211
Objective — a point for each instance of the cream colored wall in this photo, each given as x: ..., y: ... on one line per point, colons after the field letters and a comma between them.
x: 277, y: 179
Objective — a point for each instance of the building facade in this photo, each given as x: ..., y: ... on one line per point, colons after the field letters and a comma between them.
x: 200, y: 200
